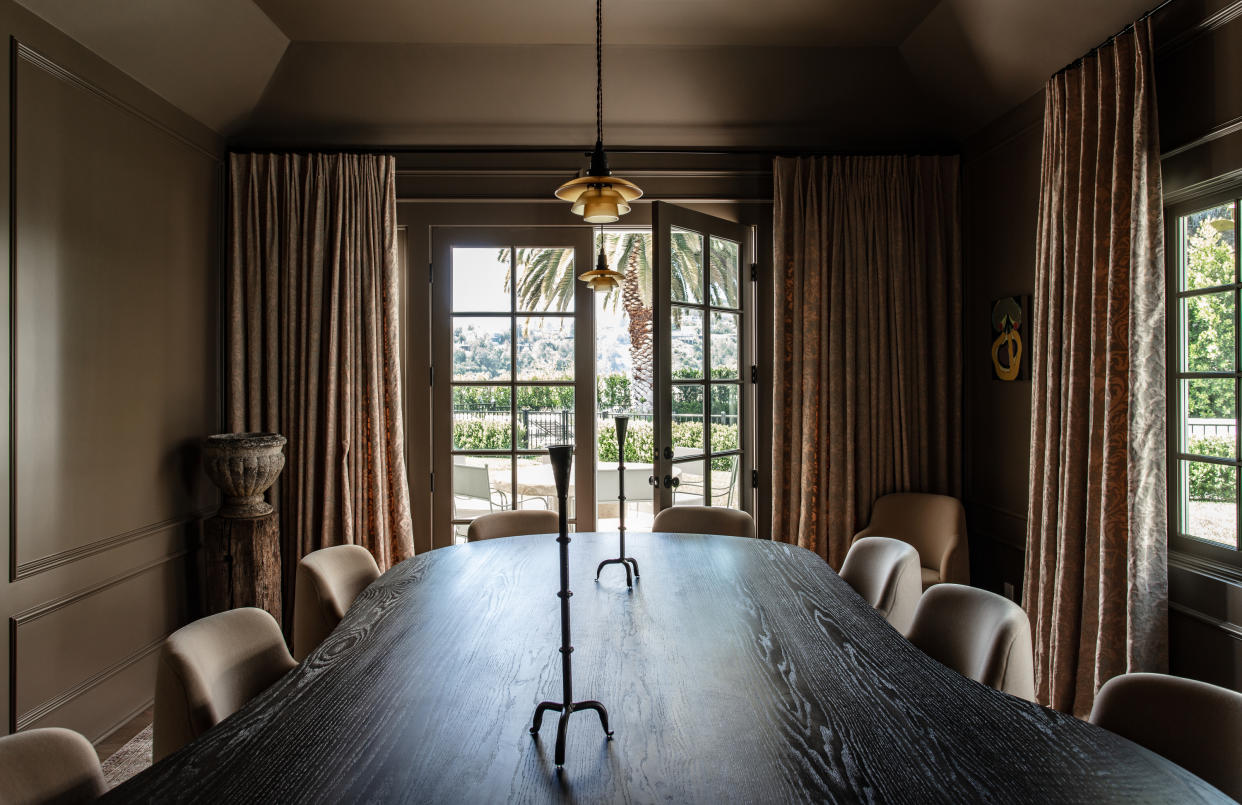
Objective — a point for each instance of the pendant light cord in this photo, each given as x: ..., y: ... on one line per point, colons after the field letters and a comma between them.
x: 599, y: 70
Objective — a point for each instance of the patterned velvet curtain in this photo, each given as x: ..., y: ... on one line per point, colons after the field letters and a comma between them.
x: 868, y: 348
x: 313, y: 345
x: 1096, y: 582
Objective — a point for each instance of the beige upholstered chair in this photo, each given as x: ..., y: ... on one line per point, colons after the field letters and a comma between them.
x: 934, y: 524
x: 513, y: 524
x: 327, y: 583
x: 978, y: 634
x: 885, y: 572
x: 212, y: 667
x: 704, y: 520
x: 1196, y: 725
x: 50, y: 765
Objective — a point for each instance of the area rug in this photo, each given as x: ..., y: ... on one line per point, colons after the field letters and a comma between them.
x: 130, y: 759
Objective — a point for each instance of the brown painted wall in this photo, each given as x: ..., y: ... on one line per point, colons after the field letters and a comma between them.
x: 111, y: 359
x: 1198, y: 43
x: 777, y: 97
x: 1001, y: 199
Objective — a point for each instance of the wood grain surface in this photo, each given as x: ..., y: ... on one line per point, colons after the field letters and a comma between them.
x: 242, y: 563
x: 736, y: 670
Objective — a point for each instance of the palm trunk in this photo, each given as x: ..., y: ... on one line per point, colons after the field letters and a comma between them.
x: 640, y: 337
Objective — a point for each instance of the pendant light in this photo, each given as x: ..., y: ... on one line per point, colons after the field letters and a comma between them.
x: 600, y: 198
x: 602, y: 278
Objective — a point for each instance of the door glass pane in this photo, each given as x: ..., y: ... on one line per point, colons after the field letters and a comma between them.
x: 726, y: 346
x: 624, y: 340
x: 687, y: 403
x: 545, y: 416
x: 724, y: 416
x: 1209, y: 332
x: 536, y: 488
x: 545, y: 348
x: 1209, y: 421
x: 545, y: 280
x: 691, y: 477
x: 639, y: 494
x: 687, y: 266
x: 482, y: 419
x: 482, y: 348
x: 1209, y: 238
x: 687, y: 338
x: 481, y: 485
x: 726, y: 482
x: 481, y: 280
x: 1209, y: 502
x: 725, y: 271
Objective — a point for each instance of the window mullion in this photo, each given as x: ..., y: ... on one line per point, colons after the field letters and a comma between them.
x: 1237, y: 386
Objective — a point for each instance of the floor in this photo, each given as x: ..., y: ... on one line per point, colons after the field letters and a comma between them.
x: 108, y: 746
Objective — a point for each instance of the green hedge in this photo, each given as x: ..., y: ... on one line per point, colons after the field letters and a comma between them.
x: 1212, y: 482
x: 479, y: 434
x: 640, y: 441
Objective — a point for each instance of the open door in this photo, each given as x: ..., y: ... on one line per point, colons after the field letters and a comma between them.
x: 704, y: 371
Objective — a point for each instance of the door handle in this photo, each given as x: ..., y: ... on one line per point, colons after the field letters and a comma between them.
x: 654, y: 481
x: 668, y: 452
x: 670, y: 481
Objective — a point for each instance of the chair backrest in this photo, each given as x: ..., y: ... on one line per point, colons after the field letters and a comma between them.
x: 328, y: 581
x: 1196, y: 725
x: 704, y: 520
x: 934, y: 524
x: 210, y: 668
x: 49, y: 765
x: 470, y: 481
x: 513, y: 524
x: 978, y: 634
x: 885, y: 572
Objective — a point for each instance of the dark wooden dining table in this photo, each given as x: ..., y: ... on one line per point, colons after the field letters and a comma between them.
x: 734, y: 670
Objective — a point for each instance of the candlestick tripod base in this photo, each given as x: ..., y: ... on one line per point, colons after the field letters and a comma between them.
x: 626, y: 561
x: 563, y: 722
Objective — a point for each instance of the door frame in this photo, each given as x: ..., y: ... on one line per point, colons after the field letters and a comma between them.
x: 443, y: 240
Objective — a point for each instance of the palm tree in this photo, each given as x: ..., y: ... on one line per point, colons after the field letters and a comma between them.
x: 548, y: 283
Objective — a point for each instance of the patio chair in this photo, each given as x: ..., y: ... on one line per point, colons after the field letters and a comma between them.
x: 472, y: 483
x: 692, y: 486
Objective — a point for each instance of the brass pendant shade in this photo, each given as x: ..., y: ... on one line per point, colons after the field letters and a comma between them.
x: 599, y: 199
x: 602, y: 278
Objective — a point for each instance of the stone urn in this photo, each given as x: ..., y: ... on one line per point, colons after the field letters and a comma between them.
x: 244, y: 465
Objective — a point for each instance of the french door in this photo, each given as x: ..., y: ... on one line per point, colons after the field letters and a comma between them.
x: 512, y: 372
x: 703, y: 360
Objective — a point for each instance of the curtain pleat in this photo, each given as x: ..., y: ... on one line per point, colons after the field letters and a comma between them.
x: 868, y: 376
x: 314, y: 345
x: 1096, y: 584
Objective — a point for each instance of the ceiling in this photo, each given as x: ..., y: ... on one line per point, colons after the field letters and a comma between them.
x: 820, y: 23
x: 792, y: 73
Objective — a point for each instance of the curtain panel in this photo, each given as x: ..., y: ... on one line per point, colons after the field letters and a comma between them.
x: 868, y: 351
x: 313, y: 345
x: 1096, y: 585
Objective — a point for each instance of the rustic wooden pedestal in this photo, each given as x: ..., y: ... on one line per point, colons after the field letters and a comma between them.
x: 242, y: 563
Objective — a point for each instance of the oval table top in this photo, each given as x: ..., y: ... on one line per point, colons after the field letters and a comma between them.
x: 736, y: 670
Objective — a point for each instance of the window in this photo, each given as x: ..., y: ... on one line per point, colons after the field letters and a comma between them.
x: 1205, y: 376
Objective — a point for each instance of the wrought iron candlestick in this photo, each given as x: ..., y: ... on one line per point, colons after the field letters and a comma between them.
x: 562, y: 456
x: 623, y: 560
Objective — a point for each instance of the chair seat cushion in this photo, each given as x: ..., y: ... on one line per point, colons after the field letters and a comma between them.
x: 930, y: 577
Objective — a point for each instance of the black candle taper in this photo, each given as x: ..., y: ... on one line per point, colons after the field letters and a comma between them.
x: 623, y: 560
x: 562, y: 456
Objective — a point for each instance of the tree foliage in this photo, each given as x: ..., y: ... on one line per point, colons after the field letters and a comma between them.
x: 1209, y: 322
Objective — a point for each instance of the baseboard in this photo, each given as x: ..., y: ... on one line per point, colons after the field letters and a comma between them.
x: 148, y: 704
